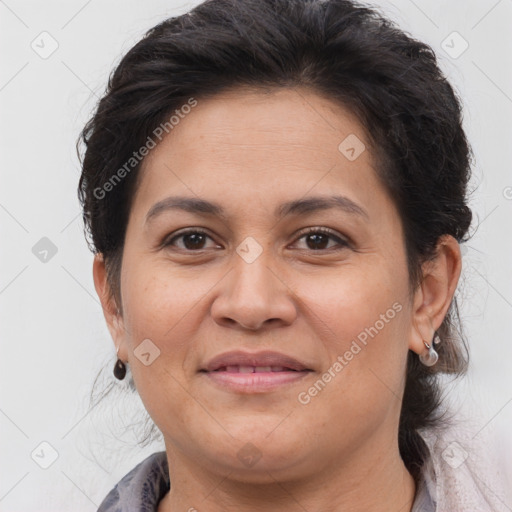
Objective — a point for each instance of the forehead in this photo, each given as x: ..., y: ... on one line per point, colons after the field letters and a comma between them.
x: 253, y: 121
x: 254, y: 146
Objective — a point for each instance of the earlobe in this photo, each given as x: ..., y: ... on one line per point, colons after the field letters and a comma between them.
x: 110, y: 311
x: 434, y: 294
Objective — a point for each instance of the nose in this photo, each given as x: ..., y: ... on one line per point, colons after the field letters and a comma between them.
x: 253, y: 296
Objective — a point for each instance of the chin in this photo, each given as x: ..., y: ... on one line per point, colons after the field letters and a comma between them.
x: 258, y: 460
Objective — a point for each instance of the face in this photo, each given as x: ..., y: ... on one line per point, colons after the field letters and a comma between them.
x: 323, y: 282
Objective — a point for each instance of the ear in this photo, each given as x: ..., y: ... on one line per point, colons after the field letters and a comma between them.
x: 111, y: 313
x: 435, y: 292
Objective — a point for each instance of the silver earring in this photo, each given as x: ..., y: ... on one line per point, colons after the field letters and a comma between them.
x: 431, y: 357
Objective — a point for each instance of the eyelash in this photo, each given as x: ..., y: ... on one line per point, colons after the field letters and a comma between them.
x: 324, y: 231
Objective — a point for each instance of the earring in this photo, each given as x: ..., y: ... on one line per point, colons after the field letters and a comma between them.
x: 119, y: 368
x: 431, y: 358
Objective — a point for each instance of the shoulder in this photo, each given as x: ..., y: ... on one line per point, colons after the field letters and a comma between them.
x: 459, y: 474
x: 141, y: 489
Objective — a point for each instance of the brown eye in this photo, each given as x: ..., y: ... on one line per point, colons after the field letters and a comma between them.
x: 193, y: 239
x: 317, y: 239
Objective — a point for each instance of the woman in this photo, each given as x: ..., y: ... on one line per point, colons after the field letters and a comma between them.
x: 276, y: 193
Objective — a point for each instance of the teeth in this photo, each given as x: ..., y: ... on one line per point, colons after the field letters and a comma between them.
x: 253, y: 369
x: 262, y: 369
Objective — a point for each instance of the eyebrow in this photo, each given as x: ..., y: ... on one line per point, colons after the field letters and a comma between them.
x: 299, y: 207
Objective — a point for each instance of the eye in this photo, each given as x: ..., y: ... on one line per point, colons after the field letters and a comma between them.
x: 193, y: 239
x: 318, y: 238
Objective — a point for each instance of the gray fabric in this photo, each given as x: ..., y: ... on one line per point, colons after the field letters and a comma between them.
x: 145, y: 485
x: 423, y: 501
x: 141, y: 489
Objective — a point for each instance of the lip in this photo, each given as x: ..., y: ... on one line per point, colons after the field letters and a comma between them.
x: 223, y: 371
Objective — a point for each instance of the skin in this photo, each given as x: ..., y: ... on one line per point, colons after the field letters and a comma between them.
x: 251, y: 151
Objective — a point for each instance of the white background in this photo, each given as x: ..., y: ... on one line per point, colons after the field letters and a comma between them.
x: 53, y: 337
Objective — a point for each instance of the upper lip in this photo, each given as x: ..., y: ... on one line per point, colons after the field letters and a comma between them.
x: 265, y: 358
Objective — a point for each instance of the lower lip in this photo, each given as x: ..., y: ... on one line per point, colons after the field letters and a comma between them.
x: 259, y: 382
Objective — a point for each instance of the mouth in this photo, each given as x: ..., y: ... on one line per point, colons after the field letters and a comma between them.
x: 256, y: 362
x: 260, y: 372
x: 254, y: 369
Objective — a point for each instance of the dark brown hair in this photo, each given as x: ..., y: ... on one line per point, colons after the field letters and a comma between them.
x: 344, y: 51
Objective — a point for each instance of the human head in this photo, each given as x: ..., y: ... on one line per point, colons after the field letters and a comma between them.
x: 347, y: 53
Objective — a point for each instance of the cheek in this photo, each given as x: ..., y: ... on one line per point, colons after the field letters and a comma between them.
x: 362, y: 327
x: 354, y: 300
x: 159, y: 303
x: 157, y: 315
x: 167, y: 309
x: 361, y: 318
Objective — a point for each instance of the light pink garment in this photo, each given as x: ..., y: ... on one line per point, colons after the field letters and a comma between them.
x: 462, y: 473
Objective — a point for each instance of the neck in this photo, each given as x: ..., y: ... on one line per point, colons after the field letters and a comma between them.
x: 379, y: 485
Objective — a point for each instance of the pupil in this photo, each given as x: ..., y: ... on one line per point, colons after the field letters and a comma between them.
x: 317, y: 240
x: 197, y: 239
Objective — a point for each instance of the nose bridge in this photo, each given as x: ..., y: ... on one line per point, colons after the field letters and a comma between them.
x: 253, y: 294
x: 251, y: 271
